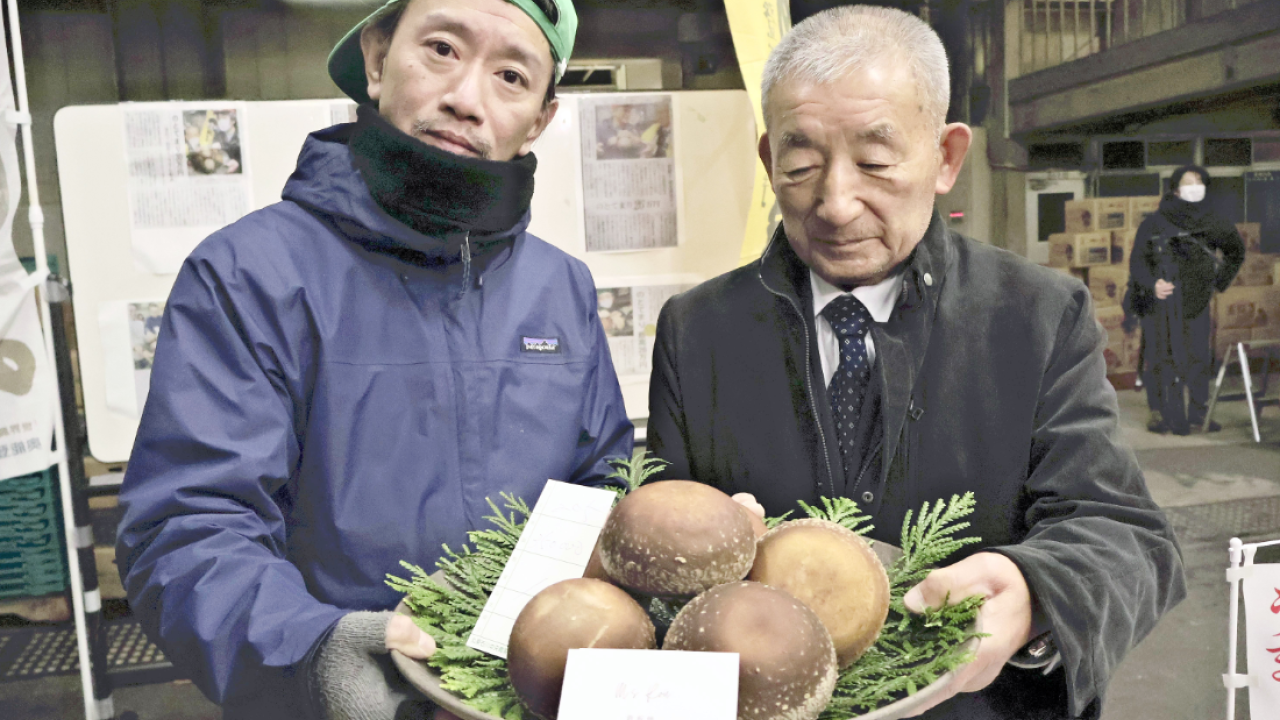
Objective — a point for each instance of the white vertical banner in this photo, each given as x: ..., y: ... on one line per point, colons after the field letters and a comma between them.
x: 1261, y: 592
x: 26, y: 410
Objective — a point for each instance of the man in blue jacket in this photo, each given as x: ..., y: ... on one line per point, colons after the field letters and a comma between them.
x: 346, y: 375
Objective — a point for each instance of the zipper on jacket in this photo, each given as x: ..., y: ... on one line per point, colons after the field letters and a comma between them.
x: 875, y: 452
x: 808, y: 373
x: 912, y: 411
x: 466, y: 263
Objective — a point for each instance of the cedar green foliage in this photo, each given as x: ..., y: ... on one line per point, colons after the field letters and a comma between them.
x: 636, y: 471
x: 448, y: 611
x: 912, y: 651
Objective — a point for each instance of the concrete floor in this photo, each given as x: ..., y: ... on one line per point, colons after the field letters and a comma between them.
x: 1214, y: 486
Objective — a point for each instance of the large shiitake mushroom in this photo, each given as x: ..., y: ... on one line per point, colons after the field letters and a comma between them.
x: 571, y: 614
x: 786, y: 662
x: 833, y: 571
x: 677, y: 537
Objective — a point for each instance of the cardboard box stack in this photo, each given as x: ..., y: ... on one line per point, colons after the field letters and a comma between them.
x: 1080, y: 250
x: 1250, y: 308
x: 1096, y: 248
x: 1259, y: 267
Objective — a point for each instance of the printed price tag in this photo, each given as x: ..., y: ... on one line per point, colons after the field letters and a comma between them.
x: 649, y: 685
x: 555, y: 545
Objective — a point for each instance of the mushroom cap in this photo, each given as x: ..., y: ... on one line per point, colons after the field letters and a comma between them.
x: 571, y: 614
x: 677, y: 537
x: 833, y: 571
x: 786, y: 662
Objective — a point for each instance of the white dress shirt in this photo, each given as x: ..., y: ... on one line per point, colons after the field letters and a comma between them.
x: 879, y: 299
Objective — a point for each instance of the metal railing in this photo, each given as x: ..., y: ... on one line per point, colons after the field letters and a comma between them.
x: 1053, y: 32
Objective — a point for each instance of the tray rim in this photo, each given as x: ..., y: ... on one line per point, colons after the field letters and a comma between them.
x: 426, y: 680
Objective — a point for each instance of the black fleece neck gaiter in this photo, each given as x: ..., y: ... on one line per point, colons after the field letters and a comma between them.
x: 435, y: 192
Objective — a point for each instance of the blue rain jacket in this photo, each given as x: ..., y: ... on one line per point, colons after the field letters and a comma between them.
x: 328, y: 398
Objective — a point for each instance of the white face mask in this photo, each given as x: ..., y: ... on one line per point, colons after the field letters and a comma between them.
x: 1191, y: 193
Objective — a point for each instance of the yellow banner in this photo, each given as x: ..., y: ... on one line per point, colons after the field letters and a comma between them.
x: 757, y: 25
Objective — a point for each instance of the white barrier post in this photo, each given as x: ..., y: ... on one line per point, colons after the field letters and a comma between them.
x: 1231, y: 680
x: 36, y: 219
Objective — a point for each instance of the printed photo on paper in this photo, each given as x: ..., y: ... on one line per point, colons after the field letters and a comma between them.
x: 212, y: 141
x: 144, y: 330
x: 188, y: 176
x: 629, y: 173
x: 629, y: 316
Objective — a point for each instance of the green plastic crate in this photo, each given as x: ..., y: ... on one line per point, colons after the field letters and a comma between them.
x: 32, y: 558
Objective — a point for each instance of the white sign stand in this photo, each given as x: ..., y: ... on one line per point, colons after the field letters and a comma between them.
x: 1259, y: 585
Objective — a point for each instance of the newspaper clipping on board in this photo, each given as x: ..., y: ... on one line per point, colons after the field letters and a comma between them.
x: 629, y: 314
x: 628, y: 173
x: 188, y: 177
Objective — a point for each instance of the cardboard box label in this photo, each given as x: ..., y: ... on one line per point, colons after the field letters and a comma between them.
x: 1061, y: 250
x: 1122, y: 246
x: 1080, y: 249
x: 1247, y: 307
x: 1110, y: 318
x: 1107, y: 284
x: 1258, y: 269
x: 1132, y: 349
x: 1080, y: 216
x: 1093, y: 249
x: 1113, y: 213
x: 1141, y: 207
x: 1251, y: 233
x: 1113, y: 354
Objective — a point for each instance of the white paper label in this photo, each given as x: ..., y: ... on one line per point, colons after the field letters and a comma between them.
x: 649, y: 685
x: 555, y: 545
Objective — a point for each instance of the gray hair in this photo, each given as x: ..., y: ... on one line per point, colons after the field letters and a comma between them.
x: 835, y: 42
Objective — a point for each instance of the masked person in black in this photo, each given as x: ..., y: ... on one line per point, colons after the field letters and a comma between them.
x: 1181, y: 254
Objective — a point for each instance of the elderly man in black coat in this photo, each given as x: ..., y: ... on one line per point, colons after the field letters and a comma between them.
x: 874, y: 354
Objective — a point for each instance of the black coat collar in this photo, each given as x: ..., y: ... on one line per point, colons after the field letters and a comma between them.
x: 901, y: 343
x: 782, y: 271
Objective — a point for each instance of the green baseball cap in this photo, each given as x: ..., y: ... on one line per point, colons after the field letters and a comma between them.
x: 556, y: 18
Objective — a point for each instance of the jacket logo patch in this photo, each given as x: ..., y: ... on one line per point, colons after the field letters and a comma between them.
x: 539, y: 344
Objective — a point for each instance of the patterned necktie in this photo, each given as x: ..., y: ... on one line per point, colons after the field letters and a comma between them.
x: 850, y: 320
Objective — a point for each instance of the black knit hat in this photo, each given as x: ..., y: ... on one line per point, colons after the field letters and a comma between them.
x: 1176, y: 177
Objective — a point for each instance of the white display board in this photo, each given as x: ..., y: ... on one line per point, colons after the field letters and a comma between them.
x: 712, y: 145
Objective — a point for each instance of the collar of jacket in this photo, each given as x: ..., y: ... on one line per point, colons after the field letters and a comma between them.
x: 437, y: 192
x: 901, y: 342
x: 327, y: 183
x: 782, y: 271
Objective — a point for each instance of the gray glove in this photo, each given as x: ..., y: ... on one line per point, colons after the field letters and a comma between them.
x: 353, y: 677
